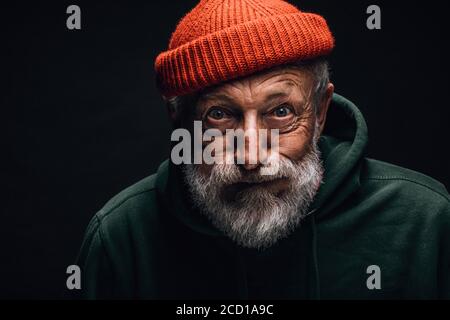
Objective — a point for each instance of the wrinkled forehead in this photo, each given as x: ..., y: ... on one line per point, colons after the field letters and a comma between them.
x: 283, y: 81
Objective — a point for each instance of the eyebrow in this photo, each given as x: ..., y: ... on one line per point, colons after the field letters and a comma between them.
x: 218, y: 96
x: 276, y: 95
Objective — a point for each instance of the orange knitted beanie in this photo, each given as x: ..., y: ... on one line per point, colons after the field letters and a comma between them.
x: 220, y: 40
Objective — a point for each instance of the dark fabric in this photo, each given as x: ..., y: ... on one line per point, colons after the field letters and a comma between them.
x: 149, y: 242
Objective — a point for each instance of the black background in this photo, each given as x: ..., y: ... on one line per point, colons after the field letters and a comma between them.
x: 82, y: 118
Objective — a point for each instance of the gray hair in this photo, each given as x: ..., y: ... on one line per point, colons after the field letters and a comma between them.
x: 319, y: 68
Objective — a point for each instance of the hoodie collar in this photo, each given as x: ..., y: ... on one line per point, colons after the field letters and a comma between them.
x: 343, y: 145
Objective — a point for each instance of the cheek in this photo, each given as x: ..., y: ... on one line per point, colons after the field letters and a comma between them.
x: 294, y: 145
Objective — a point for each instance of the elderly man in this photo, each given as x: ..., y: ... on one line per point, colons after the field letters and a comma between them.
x: 326, y: 223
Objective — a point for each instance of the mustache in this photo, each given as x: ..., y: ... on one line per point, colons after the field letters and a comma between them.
x: 228, y: 174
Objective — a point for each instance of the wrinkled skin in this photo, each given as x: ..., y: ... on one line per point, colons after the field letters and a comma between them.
x: 275, y: 99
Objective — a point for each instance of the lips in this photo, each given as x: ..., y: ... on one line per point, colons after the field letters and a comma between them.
x: 275, y: 186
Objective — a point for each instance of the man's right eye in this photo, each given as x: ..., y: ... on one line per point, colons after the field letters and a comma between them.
x: 216, y: 114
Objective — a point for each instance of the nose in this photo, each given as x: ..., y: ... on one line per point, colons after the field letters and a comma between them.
x: 249, y: 167
x: 253, y: 153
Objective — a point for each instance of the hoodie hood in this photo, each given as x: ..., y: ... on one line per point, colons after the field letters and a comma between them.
x: 343, y: 145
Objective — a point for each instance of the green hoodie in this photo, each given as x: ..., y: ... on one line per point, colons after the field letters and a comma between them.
x: 150, y: 242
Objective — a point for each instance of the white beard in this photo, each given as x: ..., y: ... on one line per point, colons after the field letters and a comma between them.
x: 257, y: 218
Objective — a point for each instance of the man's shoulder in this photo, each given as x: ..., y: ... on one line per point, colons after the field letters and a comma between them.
x: 134, y: 203
x: 121, y: 228
x: 404, y: 183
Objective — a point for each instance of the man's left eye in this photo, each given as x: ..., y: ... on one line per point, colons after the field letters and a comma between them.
x: 282, y: 111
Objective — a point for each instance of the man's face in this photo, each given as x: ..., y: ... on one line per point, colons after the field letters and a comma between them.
x: 254, y: 209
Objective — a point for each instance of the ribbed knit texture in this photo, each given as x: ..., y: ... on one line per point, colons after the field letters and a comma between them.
x: 220, y: 40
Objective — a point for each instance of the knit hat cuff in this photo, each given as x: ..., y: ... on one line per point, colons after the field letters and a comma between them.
x: 241, y: 50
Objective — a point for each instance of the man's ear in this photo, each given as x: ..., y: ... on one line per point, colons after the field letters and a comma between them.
x: 324, y: 105
x: 173, y: 117
x: 171, y: 112
x: 181, y: 112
